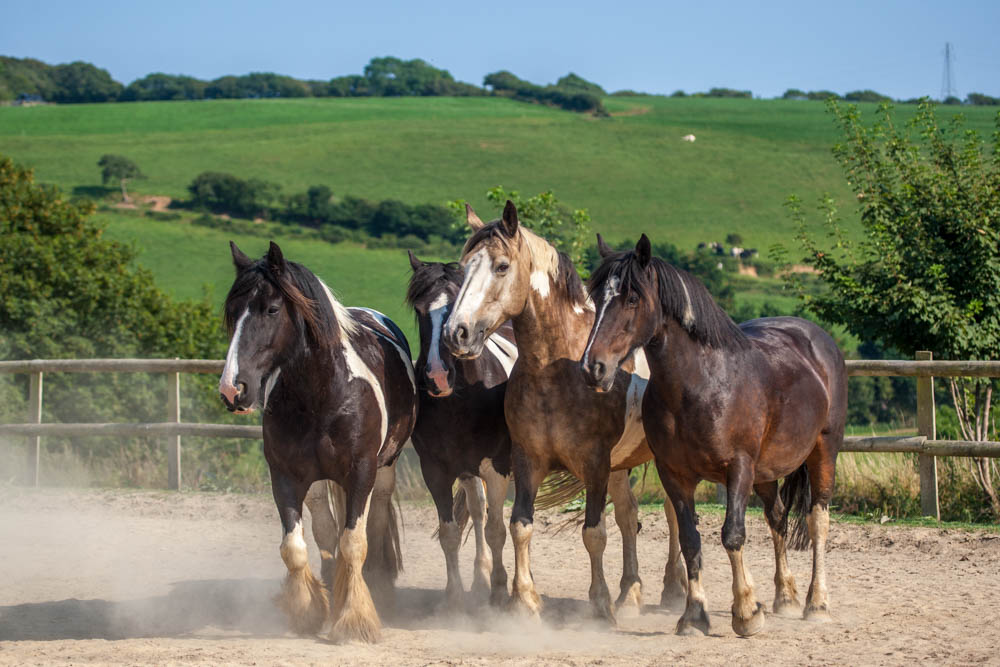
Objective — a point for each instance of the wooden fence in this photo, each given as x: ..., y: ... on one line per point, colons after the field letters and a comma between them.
x: 924, y: 443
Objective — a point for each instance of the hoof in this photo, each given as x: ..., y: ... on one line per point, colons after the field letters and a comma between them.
x: 604, y: 611
x: 480, y: 589
x: 817, y: 614
x: 528, y: 605
x: 304, y: 601
x: 353, y: 626
x: 787, y: 608
x: 629, y: 600
x: 694, y: 622
x: 674, y: 596
x: 750, y: 626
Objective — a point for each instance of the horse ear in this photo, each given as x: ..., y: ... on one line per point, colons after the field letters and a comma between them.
x: 240, y: 260
x: 275, y: 260
x: 470, y: 217
x: 603, y: 248
x: 509, y: 220
x: 643, y: 251
x: 414, y: 262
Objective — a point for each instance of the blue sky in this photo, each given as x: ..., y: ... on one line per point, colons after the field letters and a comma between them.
x: 893, y: 47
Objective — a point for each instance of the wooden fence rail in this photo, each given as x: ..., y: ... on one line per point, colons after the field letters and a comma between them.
x: 924, y: 444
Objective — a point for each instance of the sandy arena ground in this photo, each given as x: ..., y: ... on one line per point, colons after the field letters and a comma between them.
x: 156, y: 578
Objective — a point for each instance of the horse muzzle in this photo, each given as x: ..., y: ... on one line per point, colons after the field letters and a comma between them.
x: 464, y: 341
x: 598, y: 376
x: 236, y: 398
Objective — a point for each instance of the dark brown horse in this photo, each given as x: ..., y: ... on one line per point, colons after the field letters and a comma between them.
x: 556, y: 422
x: 338, y: 394
x: 742, y: 405
x: 461, y: 432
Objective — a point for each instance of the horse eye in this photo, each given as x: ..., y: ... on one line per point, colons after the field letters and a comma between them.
x: 273, y: 310
x: 632, y: 300
x: 502, y: 268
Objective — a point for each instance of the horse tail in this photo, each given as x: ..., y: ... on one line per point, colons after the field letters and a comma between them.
x: 796, y: 496
x: 559, y: 488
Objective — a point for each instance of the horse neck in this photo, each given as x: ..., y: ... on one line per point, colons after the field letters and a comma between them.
x: 315, y: 367
x: 550, y: 328
x: 674, y: 356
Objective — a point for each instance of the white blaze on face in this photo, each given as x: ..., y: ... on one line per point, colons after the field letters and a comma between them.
x: 611, y: 290
x: 478, y: 276
x: 227, y: 383
x: 436, y: 312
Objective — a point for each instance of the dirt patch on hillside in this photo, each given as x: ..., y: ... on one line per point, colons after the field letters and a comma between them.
x: 157, y: 202
x: 146, y: 577
x: 634, y: 111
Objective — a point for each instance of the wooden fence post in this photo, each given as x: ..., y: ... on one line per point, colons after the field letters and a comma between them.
x: 174, y: 441
x: 927, y: 427
x: 35, y: 417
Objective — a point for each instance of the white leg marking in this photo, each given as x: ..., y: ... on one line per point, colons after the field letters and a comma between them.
x: 227, y: 383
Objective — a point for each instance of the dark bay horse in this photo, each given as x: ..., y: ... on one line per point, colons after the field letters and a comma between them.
x: 742, y: 405
x: 556, y: 422
x: 461, y: 432
x: 338, y: 394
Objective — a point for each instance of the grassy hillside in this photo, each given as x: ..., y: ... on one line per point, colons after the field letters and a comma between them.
x: 632, y: 171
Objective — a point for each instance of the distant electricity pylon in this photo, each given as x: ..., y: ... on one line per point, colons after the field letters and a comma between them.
x: 948, y: 77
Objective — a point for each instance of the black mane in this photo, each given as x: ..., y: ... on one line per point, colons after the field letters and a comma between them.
x: 302, y: 291
x: 567, y: 277
x: 708, y: 323
x: 431, y: 275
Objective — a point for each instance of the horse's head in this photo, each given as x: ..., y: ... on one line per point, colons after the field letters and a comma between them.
x: 265, y: 314
x: 624, y: 290
x: 496, y: 284
x: 432, y: 291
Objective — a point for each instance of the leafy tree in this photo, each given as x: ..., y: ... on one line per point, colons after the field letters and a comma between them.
x: 159, y: 86
x: 118, y: 168
x: 573, y: 82
x: 794, y: 94
x: 927, y: 274
x: 734, y: 239
x: 225, y: 193
x: 980, y: 99
x: 83, y: 82
x: 866, y: 96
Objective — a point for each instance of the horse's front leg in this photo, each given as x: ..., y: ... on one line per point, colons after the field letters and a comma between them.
x: 302, y: 596
x: 681, y: 495
x: 475, y: 500
x: 627, y: 518
x: 528, y: 476
x: 496, y: 535
x: 595, y: 539
x: 353, y: 611
x: 748, y: 614
x: 439, y: 482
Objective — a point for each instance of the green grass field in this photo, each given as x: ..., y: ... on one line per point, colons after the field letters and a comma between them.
x: 631, y: 171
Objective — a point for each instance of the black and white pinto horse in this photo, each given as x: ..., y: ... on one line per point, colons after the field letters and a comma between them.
x: 461, y: 432
x: 337, y: 390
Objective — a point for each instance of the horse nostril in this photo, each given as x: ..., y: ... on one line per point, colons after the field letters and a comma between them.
x: 598, y: 370
x: 241, y: 388
x: 462, y: 334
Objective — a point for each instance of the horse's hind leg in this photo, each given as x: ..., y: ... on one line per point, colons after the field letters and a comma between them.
x: 353, y: 611
x: 786, y: 601
x: 674, y: 572
x: 595, y: 539
x: 302, y: 596
x: 748, y: 614
x: 496, y: 533
x: 627, y: 518
x: 325, y: 527
x: 475, y: 499
x: 821, y: 464
x: 385, y: 559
